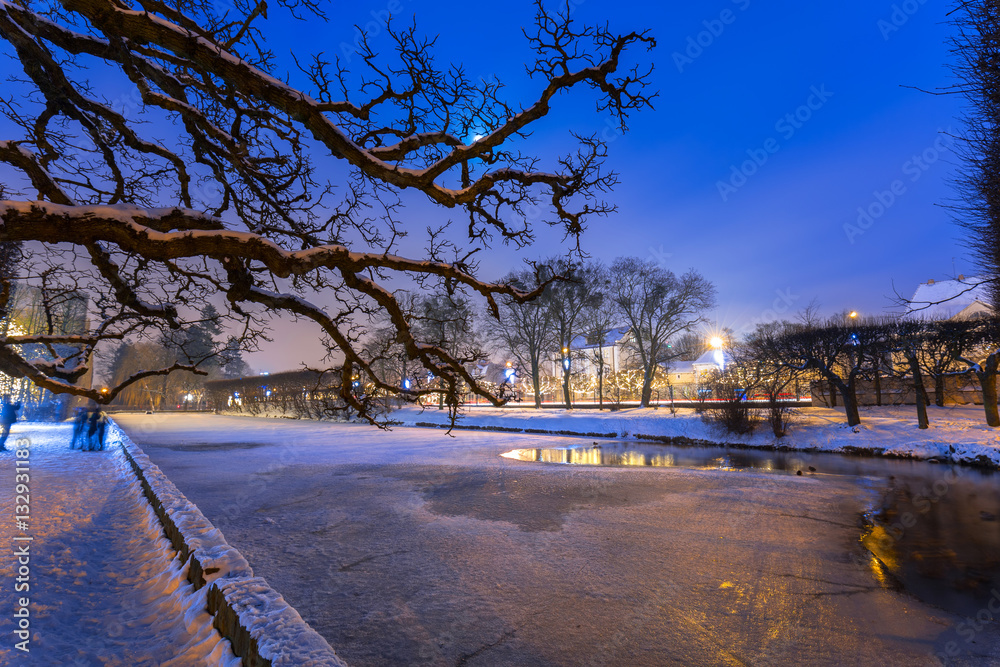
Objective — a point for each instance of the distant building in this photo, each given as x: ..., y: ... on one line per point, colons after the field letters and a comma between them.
x: 28, y: 315
x: 960, y: 299
x: 587, y: 352
x: 713, y: 360
x: 614, y: 348
x: 681, y: 373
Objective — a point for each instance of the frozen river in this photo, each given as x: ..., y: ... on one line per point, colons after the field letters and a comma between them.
x: 412, y: 547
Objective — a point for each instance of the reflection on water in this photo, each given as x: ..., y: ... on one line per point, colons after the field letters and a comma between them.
x: 661, y: 456
x: 931, y: 530
x: 938, y: 535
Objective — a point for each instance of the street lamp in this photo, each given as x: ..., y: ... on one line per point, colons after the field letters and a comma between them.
x: 565, y: 352
x: 716, y: 342
x: 853, y: 314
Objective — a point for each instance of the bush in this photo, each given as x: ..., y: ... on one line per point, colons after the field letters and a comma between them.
x: 730, y: 409
x: 779, y: 417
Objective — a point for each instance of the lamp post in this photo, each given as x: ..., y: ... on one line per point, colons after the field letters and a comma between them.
x: 566, y: 365
x: 508, y: 378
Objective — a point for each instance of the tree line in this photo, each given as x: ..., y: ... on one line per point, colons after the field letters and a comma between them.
x: 580, y: 303
x: 844, y: 351
x: 194, y: 346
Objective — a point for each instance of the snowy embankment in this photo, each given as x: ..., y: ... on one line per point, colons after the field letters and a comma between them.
x: 100, y: 583
x: 111, y: 565
x: 957, y: 434
x: 262, y: 627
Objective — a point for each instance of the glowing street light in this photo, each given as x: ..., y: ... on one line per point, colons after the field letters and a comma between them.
x: 853, y: 315
x: 716, y: 342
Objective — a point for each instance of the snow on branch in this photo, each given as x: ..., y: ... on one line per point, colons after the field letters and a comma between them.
x: 237, y: 201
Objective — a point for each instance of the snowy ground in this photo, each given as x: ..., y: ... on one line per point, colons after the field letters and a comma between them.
x: 105, y: 586
x: 956, y: 433
x: 413, y: 547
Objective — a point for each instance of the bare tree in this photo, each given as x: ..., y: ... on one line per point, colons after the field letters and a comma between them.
x: 600, y: 318
x: 976, y: 64
x: 907, y: 337
x: 979, y: 341
x: 446, y: 322
x: 761, y: 371
x: 525, y: 330
x: 566, y: 300
x: 150, y: 392
x: 387, y: 356
x: 689, y: 346
x: 230, y: 198
x: 10, y: 255
x: 657, y: 306
x: 839, y: 351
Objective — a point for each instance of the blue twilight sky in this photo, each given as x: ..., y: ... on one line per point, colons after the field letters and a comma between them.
x: 729, y: 73
x: 816, y: 92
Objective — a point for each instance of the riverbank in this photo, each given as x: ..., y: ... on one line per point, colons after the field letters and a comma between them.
x: 413, y: 547
x: 957, y: 434
x: 97, y: 580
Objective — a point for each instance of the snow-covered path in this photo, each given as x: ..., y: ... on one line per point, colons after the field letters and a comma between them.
x: 105, y: 587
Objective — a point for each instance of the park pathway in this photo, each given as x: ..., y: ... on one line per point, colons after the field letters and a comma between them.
x: 104, y: 585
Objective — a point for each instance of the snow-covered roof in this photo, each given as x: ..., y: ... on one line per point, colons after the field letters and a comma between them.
x: 718, y: 358
x: 944, y: 299
x: 612, y: 337
x: 681, y: 367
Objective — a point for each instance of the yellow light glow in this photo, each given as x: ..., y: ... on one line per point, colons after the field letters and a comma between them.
x: 853, y: 314
x: 716, y: 342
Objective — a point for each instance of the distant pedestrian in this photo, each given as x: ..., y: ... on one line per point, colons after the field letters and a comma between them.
x: 8, y: 415
x: 98, y: 423
x: 79, y: 428
x: 102, y: 428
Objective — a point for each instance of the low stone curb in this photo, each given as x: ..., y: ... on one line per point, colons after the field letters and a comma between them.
x: 262, y: 627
